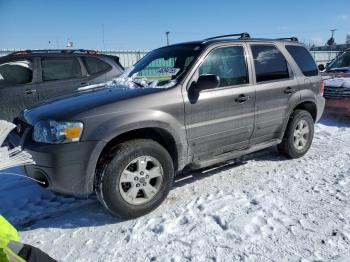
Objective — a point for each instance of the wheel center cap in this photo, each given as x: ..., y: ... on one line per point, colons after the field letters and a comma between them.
x: 142, y: 180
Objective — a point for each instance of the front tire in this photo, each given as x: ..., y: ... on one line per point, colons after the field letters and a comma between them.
x: 136, y: 179
x: 298, y: 136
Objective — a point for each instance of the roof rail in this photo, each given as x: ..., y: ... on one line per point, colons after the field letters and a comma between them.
x: 293, y: 39
x: 243, y: 35
x: 54, y: 51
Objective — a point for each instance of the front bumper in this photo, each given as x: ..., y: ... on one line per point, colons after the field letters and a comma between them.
x: 68, y: 168
x: 338, y: 106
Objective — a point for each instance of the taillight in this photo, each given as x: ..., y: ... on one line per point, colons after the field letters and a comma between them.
x: 322, y: 87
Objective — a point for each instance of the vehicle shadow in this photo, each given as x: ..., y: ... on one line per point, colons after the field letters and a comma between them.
x: 88, y: 212
x: 330, y: 119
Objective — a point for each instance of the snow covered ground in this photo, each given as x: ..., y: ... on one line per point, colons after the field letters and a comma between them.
x: 267, y: 208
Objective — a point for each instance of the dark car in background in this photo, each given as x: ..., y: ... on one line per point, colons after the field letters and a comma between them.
x: 336, y: 76
x: 31, y: 76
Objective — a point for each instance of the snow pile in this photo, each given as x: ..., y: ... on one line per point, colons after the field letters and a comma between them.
x: 130, y: 82
x: 11, y: 157
x: 338, y: 82
x: 267, y: 208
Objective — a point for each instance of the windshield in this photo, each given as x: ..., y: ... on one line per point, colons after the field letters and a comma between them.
x: 162, y: 67
x: 340, y: 62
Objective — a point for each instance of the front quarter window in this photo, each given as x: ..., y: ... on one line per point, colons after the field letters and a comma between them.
x: 163, y: 67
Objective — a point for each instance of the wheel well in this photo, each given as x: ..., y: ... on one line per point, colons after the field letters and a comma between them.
x: 159, y: 135
x: 308, y: 106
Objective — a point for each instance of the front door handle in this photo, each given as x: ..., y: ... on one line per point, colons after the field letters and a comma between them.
x: 30, y: 91
x: 241, y: 98
x: 84, y: 84
x: 288, y: 90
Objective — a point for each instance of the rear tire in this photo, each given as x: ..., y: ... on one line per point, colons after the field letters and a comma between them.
x: 298, y: 136
x: 136, y: 179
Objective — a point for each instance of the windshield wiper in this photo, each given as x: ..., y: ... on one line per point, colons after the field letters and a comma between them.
x: 137, y: 83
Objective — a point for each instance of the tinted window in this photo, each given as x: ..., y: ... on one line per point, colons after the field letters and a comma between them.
x: 303, y: 59
x: 95, y: 65
x: 16, y: 72
x: 228, y: 63
x: 269, y: 63
x: 58, y: 69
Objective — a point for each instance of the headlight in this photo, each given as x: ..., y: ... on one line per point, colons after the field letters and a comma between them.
x: 53, y: 132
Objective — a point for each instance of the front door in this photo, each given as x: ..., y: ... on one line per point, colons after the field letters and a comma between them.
x: 60, y: 76
x: 221, y: 119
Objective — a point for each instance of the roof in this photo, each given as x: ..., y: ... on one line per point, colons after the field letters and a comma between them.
x: 52, y: 53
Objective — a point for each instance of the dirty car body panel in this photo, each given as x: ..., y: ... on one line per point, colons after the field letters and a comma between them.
x: 240, y: 115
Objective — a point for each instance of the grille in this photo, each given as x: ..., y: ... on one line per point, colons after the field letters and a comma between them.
x: 336, y: 92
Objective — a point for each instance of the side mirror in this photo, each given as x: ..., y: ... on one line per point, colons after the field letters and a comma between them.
x: 321, y: 67
x: 205, y: 82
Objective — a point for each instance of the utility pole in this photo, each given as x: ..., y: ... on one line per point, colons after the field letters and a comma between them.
x: 333, y: 30
x: 103, y: 36
x: 167, y: 37
x: 331, y: 41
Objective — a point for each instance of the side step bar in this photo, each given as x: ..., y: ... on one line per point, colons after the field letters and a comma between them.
x: 232, y: 155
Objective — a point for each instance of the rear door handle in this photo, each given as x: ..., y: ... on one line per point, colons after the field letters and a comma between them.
x: 30, y: 91
x: 288, y: 90
x: 84, y: 84
x: 241, y: 98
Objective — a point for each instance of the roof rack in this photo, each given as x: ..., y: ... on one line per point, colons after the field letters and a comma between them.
x: 293, y: 39
x: 54, y: 51
x: 243, y: 35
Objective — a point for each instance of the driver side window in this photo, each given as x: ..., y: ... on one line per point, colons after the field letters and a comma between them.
x: 228, y: 63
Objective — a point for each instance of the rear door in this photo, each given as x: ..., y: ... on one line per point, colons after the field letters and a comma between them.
x: 59, y: 76
x: 275, y: 88
x: 221, y: 119
x: 17, y: 87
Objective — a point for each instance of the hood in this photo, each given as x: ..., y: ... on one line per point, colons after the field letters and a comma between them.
x: 336, y: 79
x: 66, y: 107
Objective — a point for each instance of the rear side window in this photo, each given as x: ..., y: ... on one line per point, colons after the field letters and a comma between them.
x: 95, y: 65
x: 303, y: 59
x: 228, y: 63
x: 269, y: 63
x: 60, y: 69
x: 16, y: 72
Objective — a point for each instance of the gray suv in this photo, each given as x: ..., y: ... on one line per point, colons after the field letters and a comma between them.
x: 30, y: 76
x: 188, y: 105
